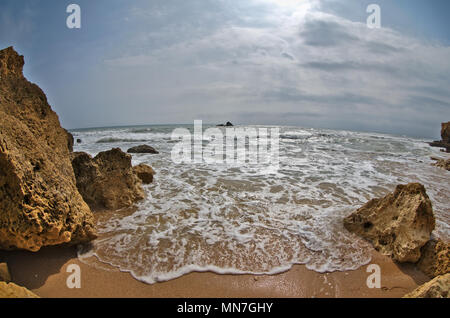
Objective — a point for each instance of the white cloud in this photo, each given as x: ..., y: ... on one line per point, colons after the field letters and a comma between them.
x: 291, y: 58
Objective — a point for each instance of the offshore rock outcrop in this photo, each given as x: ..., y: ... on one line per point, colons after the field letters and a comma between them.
x: 107, y: 181
x: 397, y: 225
x: 39, y: 201
x: 143, y: 149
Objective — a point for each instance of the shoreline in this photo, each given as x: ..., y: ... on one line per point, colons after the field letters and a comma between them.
x: 45, y: 273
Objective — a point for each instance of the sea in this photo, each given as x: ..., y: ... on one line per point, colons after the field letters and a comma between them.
x: 251, y: 218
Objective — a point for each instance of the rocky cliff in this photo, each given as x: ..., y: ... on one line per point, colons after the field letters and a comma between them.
x: 445, y: 135
x: 39, y: 201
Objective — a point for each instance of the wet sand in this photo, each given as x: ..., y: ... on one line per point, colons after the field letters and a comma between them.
x: 45, y: 273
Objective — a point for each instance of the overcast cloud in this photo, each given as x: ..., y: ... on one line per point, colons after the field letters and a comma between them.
x: 308, y: 63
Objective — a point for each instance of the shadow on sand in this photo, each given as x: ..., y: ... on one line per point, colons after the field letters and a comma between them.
x: 32, y: 269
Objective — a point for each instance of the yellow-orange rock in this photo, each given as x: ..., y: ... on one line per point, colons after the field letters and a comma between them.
x: 107, y: 181
x: 144, y: 172
x: 11, y: 290
x: 445, y: 132
x: 435, y: 258
x: 397, y: 225
x: 435, y: 288
x: 39, y: 202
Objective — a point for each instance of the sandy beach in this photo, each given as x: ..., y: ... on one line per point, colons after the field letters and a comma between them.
x: 228, y: 149
x: 45, y: 274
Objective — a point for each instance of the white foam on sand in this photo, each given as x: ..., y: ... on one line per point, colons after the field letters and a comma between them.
x: 258, y: 219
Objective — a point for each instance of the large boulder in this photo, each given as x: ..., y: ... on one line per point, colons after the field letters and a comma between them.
x: 39, y: 201
x: 435, y: 258
x: 107, y: 181
x: 436, y: 288
x: 144, y: 172
x: 143, y: 149
x: 11, y: 290
x: 397, y: 225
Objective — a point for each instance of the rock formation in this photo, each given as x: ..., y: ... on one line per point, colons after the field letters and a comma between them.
x: 397, y: 225
x: 436, y: 288
x: 228, y: 124
x: 11, y: 290
x: 442, y: 163
x: 39, y: 201
x: 435, y: 259
x: 143, y: 149
x: 445, y: 135
x: 144, y: 172
x: 445, y: 132
x: 70, y: 140
x: 107, y: 181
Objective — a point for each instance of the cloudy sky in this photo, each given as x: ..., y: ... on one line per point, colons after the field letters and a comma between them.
x: 311, y: 63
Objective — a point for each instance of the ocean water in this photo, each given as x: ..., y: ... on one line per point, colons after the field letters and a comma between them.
x: 248, y: 219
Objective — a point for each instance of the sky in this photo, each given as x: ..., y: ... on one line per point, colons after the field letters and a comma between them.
x: 310, y: 63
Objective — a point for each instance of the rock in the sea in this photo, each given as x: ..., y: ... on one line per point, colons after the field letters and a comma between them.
x: 11, y: 290
x: 39, y: 201
x: 442, y: 163
x: 436, y: 288
x: 144, y: 172
x: 397, y: 225
x: 107, y: 181
x: 228, y: 124
x: 143, y: 149
x: 5, y: 276
x: 79, y: 141
x: 435, y: 258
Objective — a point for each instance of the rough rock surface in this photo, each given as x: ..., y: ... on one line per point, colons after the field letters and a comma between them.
x: 442, y: 163
x: 143, y: 149
x: 70, y: 140
x: 39, y: 202
x: 435, y: 259
x: 11, y: 290
x: 5, y: 276
x: 445, y: 132
x: 436, y: 288
x: 107, y: 181
x: 445, y: 135
x: 397, y: 225
x: 144, y: 172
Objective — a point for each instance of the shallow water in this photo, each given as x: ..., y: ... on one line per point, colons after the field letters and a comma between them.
x: 250, y: 219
